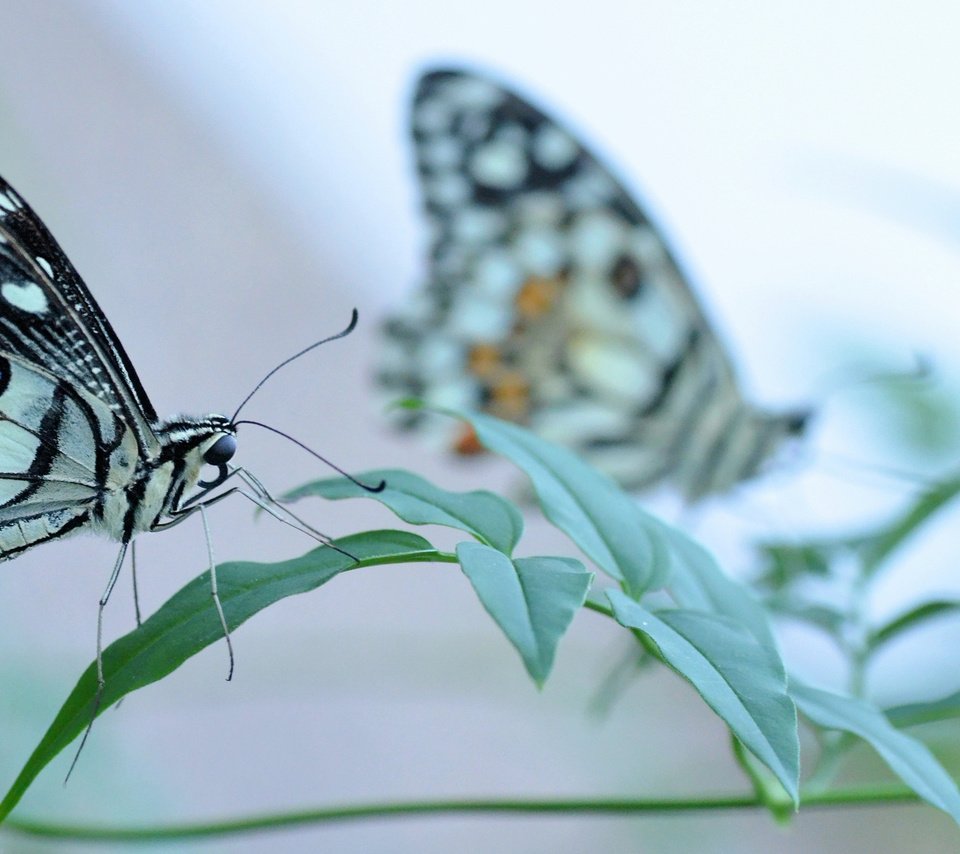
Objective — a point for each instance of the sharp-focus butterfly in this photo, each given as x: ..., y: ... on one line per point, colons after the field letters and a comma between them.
x: 81, y: 446
x: 553, y: 301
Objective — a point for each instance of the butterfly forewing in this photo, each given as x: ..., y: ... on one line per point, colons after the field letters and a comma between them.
x: 554, y: 301
x: 48, y: 317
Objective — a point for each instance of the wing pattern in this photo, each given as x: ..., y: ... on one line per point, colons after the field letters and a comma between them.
x: 48, y: 317
x: 554, y: 301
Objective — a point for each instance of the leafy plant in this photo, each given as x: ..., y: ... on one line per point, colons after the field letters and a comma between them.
x: 661, y: 587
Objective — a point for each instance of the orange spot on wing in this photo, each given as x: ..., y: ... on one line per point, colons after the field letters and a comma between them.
x: 538, y: 295
x: 510, y: 397
x: 484, y: 360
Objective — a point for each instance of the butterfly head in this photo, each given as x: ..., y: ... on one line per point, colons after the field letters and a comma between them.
x: 210, y: 440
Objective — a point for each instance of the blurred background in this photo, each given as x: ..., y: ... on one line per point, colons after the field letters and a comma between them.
x: 231, y: 178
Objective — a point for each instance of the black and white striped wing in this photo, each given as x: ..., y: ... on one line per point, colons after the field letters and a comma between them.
x: 61, y: 450
x: 73, y: 416
x: 49, y: 318
x: 554, y: 301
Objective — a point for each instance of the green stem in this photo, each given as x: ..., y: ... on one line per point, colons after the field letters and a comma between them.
x: 568, y: 806
x: 772, y: 798
x: 606, y: 610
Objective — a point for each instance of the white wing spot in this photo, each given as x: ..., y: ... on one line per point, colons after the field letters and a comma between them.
x: 595, y: 239
x: 26, y: 296
x: 540, y: 250
x: 45, y: 266
x: 497, y: 275
x: 448, y: 189
x: 442, y: 152
x: 553, y: 149
x: 500, y: 164
x: 477, y: 225
x: 7, y: 203
x: 475, y: 318
x: 472, y: 94
x: 432, y: 116
x: 589, y: 188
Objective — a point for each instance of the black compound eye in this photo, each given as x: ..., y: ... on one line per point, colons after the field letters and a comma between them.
x: 221, y: 450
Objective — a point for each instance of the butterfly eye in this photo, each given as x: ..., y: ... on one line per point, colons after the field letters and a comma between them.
x: 221, y: 450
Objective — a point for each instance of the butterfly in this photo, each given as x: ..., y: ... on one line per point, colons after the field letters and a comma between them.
x: 555, y: 302
x: 81, y: 446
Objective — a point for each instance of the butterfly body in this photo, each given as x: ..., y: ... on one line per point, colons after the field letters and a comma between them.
x: 154, y: 493
x: 554, y: 301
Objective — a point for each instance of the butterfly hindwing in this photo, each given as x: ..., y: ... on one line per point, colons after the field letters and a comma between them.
x: 60, y: 448
x: 554, y: 301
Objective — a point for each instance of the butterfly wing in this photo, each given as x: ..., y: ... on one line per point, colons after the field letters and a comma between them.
x: 74, y: 419
x: 554, y: 301
x: 62, y: 450
x: 49, y: 319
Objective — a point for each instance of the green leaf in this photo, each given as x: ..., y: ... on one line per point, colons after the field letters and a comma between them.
x: 787, y: 562
x: 188, y: 622
x: 912, y: 714
x: 908, y: 758
x: 875, y: 548
x: 918, y: 412
x: 734, y: 675
x: 826, y: 617
x: 604, y: 522
x: 909, y: 619
x: 533, y: 599
x: 697, y: 583
x: 872, y: 548
x: 491, y: 519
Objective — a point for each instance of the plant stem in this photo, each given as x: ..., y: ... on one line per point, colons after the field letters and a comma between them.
x: 871, y: 796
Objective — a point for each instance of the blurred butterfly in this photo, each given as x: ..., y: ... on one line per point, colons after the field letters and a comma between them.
x: 81, y: 446
x: 553, y: 301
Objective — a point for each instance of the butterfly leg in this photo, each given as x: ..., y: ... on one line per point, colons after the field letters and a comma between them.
x: 101, y: 682
x: 266, y: 502
x: 213, y: 589
x: 103, y: 604
x: 259, y: 496
x: 133, y: 573
x: 136, y: 595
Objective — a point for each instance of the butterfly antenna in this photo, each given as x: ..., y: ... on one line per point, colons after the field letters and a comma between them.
x: 378, y: 488
x: 350, y: 327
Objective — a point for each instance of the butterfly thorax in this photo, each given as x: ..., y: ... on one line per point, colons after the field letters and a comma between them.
x: 144, y: 497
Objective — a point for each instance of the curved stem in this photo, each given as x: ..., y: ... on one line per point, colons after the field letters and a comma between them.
x: 871, y: 796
